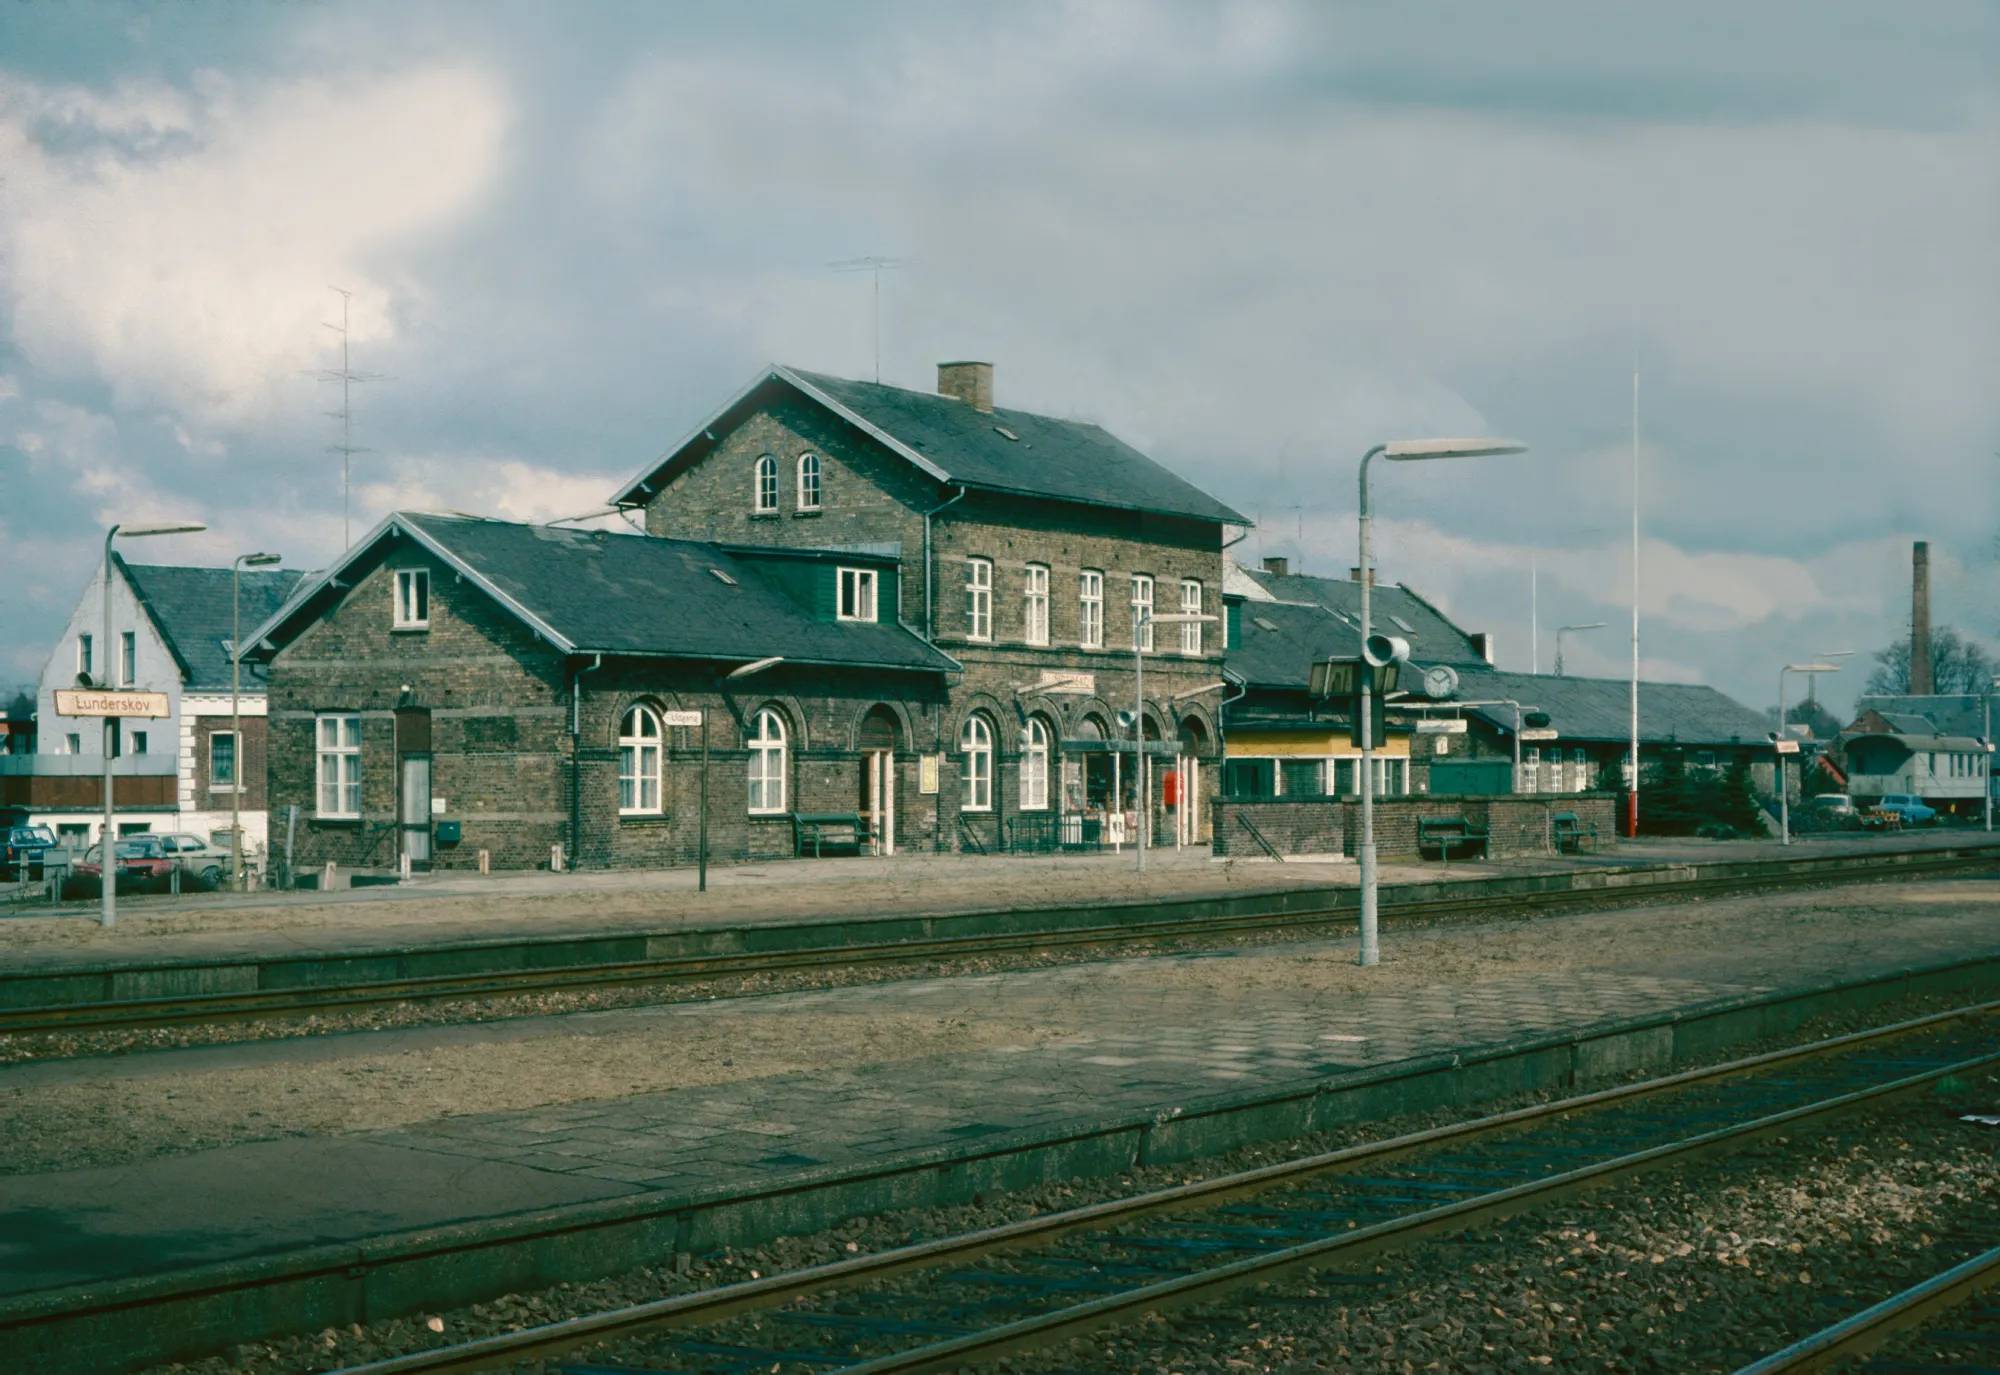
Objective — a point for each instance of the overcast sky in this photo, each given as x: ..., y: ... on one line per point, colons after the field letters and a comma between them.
x: 1252, y: 239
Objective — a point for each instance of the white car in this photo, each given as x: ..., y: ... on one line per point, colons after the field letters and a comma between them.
x: 204, y: 859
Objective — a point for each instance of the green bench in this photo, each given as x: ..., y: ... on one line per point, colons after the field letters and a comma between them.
x: 819, y: 831
x: 1444, y: 833
x: 1571, y: 833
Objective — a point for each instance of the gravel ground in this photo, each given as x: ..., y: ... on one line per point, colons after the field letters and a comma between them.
x: 102, y: 1115
x: 1656, y: 1273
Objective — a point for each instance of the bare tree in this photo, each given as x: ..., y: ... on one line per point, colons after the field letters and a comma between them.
x: 1957, y: 666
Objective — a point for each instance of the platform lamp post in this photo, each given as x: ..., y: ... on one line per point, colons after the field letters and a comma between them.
x: 1142, y: 782
x: 1986, y: 701
x: 1400, y: 451
x: 701, y: 842
x: 1563, y: 630
x: 107, y: 873
x: 242, y: 562
x: 1778, y: 742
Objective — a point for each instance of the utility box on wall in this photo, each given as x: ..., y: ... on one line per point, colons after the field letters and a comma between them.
x: 449, y: 832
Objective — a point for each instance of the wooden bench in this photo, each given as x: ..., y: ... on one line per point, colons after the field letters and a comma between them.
x: 1445, y: 832
x: 1570, y: 832
x: 820, y: 830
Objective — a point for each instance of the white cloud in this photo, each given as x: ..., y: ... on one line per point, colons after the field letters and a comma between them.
x: 191, y: 271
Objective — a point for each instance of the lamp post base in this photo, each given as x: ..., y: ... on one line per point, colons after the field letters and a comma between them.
x: 1371, y: 942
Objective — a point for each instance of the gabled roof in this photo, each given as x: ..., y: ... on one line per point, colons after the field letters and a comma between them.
x: 1947, y: 713
x: 191, y: 609
x: 1915, y: 744
x: 1289, y: 623
x: 589, y: 592
x: 1600, y: 709
x: 1002, y: 450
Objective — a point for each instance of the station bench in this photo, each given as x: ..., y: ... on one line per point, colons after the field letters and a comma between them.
x: 1445, y: 832
x: 819, y: 831
x: 1570, y: 833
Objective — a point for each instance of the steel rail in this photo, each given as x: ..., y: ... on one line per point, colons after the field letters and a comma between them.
x: 1864, y: 1331
x: 288, y: 1002
x: 708, y: 1306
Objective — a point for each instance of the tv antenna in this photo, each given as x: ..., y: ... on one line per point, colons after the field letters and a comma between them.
x: 347, y: 377
x: 876, y: 267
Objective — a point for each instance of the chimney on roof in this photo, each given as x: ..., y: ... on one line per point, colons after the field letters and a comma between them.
x: 971, y: 383
x: 1921, y: 684
x: 1354, y: 574
x: 1277, y: 565
x: 1482, y: 645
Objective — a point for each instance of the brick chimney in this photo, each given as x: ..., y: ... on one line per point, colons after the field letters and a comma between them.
x: 1278, y: 566
x: 1921, y: 681
x: 971, y: 383
x: 1354, y: 574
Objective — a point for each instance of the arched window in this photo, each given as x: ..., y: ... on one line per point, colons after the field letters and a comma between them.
x: 808, y: 482
x: 1035, y: 766
x: 767, y: 764
x: 975, y: 742
x: 639, y: 763
x: 766, y: 496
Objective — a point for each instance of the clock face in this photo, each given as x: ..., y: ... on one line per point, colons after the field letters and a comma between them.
x: 1440, y: 681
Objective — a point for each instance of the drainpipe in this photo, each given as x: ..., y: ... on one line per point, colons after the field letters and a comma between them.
x: 576, y: 761
x: 930, y: 620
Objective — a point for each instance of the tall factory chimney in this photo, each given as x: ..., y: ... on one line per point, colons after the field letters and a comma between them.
x: 1921, y: 683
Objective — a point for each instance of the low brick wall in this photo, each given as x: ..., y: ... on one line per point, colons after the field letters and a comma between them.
x: 1332, y: 825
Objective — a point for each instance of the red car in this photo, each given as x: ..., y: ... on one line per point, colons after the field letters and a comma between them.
x: 143, y: 863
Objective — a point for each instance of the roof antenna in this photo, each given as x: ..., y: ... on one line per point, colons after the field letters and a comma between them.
x: 875, y: 266
x: 347, y: 377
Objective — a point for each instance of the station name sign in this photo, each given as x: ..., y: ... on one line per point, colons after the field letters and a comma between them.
x: 99, y: 702
x: 1542, y: 734
x: 1447, y: 727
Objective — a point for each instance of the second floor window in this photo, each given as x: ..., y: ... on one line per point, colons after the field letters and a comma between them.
x: 764, y: 500
x: 979, y: 599
x: 83, y: 664
x: 339, y: 764
x: 1090, y: 607
x: 413, y: 599
x: 1142, y: 612
x: 128, y: 658
x: 1035, y: 606
x: 808, y: 482
x: 857, y: 594
x: 1191, y: 603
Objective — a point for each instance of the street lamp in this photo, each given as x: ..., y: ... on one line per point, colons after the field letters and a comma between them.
x: 1986, y: 701
x: 1141, y: 783
x: 1401, y: 451
x: 107, y: 873
x: 1564, y: 630
x: 1778, y: 742
x: 242, y: 562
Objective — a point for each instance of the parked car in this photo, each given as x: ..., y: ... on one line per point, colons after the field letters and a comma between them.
x: 1908, y: 810
x: 1834, y: 808
x: 143, y: 864
x: 22, y: 849
x: 204, y: 860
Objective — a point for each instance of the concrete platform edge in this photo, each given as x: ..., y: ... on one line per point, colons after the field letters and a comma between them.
x: 131, y: 1323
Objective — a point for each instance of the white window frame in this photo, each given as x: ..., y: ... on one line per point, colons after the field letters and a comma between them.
x: 1090, y: 608
x: 1142, y: 597
x: 975, y: 776
x: 413, y: 599
x: 854, y: 594
x: 1035, y: 604
x: 764, y: 485
x: 978, y: 599
x: 767, y: 763
x: 85, y: 660
x: 337, y: 775
x: 640, y: 738
x: 128, y: 658
x: 810, y: 470
x: 1190, y: 604
x: 1035, y: 766
x: 139, y: 740
x: 235, y: 783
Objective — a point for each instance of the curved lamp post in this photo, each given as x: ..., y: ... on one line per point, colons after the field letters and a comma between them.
x: 1784, y: 791
x: 1563, y: 630
x: 236, y: 751
x: 1400, y: 451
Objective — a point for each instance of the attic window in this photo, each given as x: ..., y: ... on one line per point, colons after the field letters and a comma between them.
x: 1408, y: 629
x: 1007, y: 433
x: 723, y: 576
x: 1263, y: 624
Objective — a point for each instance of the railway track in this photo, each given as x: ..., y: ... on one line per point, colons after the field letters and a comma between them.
x: 1958, y: 1324
x: 966, y: 1300
x: 1338, y: 912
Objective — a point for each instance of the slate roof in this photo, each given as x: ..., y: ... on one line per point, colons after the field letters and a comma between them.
x: 1307, y: 619
x: 1068, y: 460
x: 1961, y: 714
x: 597, y: 592
x: 190, y: 607
x: 1600, y: 709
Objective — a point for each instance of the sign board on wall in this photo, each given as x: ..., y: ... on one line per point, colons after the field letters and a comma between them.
x: 681, y: 718
x: 1788, y: 747
x: 100, y: 702
x: 1443, y: 728
x: 1543, y: 734
x: 927, y: 774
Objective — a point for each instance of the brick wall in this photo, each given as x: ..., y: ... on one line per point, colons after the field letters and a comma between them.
x: 252, y: 766
x: 1517, y: 825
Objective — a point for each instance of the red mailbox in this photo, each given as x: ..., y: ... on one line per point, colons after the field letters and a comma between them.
x: 1171, y: 781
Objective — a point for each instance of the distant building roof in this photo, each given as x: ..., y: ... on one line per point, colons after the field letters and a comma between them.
x: 999, y: 450
x: 192, y: 610
x: 1947, y: 713
x: 1290, y: 623
x: 1600, y: 709
x: 591, y: 592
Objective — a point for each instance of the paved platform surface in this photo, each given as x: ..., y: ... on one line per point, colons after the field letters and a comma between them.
x: 1118, y: 1053
x: 456, y: 908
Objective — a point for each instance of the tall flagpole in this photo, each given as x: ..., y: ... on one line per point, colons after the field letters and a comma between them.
x: 1632, y: 805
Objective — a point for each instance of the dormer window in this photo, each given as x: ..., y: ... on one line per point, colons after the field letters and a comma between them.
x: 764, y: 500
x: 808, y: 482
x: 857, y: 594
x: 413, y: 599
